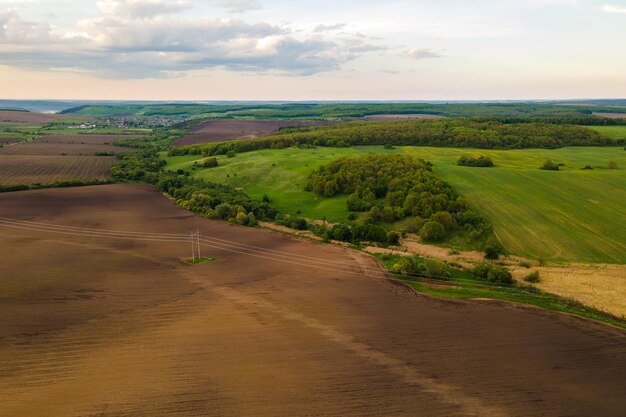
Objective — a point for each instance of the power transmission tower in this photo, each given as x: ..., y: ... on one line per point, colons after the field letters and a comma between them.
x: 195, y: 245
x: 198, y: 242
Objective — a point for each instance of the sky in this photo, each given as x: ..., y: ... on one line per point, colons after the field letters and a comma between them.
x: 312, y: 50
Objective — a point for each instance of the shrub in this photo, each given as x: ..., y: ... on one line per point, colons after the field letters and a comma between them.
x: 231, y: 154
x: 525, y: 264
x: 612, y: 165
x: 533, y: 277
x: 445, y: 219
x: 471, y: 161
x: 587, y: 167
x: 210, y: 162
x: 393, y: 238
x: 414, y: 224
x: 432, y: 232
x: 493, y: 248
x: 341, y: 232
x: 241, y: 218
x: 499, y: 274
x: 493, y: 272
x: 550, y: 166
x: 436, y: 268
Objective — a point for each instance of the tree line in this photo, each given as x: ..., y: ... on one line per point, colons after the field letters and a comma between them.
x: 461, y: 133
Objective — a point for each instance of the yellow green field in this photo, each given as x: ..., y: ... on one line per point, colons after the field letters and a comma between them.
x: 567, y: 215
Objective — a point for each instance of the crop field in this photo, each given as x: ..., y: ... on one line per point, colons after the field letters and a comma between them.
x: 86, y: 139
x: 613, y: 132
x: 569, y: 215
x: 95, y: 307
x: 28, y: 117
x: 224, y: 130
x: 610, y: 115
x: 31, y: 169
x: 38, y: 148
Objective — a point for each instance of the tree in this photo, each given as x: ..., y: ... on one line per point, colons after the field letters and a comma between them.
x: 493, y: 248
x: 445, y: 219
x: 432, y: 232
x: 341, y: 232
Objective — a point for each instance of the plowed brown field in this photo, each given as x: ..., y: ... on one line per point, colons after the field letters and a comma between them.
x: 86, y: 139
x: 97, y: 323
x: 30, y: 169
x: 41, y: 148
x: 28, y: 117
x: 225, y: 130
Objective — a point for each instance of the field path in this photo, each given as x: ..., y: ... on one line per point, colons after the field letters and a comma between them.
x: 100, y: 318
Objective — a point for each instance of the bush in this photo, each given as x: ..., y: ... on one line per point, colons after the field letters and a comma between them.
x: 210, y: 162
x: 341, y: 232
x: 445, y: 219
x: 493, y: 273
x: 432, y: 232
x: 550, y: 166
x: 493, y: 249
x: 231, y: 154
x: 612, y: 165
x: 393, y: 238
x: 471, y: 161
x: 533, y: 277
x: 587, y: 167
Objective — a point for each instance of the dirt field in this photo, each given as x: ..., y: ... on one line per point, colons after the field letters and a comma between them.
x: 42, y: 148
x: 384, y: 117
x: 225, y: 130
x: 611, y: 115
x: 86, y: 139
x: 28, y: 117
x: 30, y: 169
x: 101, y: 323
x: 4, y: 141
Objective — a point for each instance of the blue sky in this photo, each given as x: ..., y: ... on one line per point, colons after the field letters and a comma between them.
x: 304, y: 50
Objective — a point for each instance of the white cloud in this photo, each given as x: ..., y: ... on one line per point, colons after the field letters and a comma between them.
x: 420, y: 54
x: 239, y: 6
x: 142, y: 38
x: 329, y: 28
x: 613, y: 9
x: 140, y: 8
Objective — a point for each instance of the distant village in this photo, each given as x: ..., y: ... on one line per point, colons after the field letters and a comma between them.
x: 129, y: 122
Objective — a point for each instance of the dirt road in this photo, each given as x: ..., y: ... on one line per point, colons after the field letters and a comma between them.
x: 96, y: 322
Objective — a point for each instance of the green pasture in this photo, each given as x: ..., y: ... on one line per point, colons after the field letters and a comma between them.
x: 613, y: 132
x: 567, y: 215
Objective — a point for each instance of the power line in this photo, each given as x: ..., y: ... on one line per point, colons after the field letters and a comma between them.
x: 249, y: 250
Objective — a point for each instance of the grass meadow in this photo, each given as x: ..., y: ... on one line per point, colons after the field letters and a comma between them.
x: 566, y: 215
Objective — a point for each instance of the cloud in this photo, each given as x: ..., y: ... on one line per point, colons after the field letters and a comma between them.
x: 145, y: 38
x: 613, y: 9
x: 329, y: 28
x: 239, y: 6
x: 420, y: 54
x: 139, y: 9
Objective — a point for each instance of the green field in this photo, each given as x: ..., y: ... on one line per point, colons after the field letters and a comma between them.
x: 613, y: 132
x: 569, y: 215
